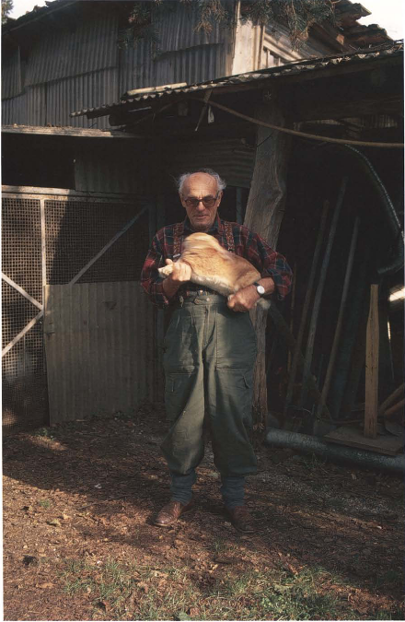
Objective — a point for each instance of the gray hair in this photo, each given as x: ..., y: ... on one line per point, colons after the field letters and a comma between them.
x: 221, y: 183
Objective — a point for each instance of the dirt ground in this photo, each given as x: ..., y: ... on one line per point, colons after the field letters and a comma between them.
x: 79, y: 543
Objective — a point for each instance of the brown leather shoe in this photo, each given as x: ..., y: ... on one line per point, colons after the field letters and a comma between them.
x: 241, y: 519
x: 170, y: 512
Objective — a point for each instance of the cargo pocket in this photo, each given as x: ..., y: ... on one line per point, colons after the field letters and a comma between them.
x: 235, y: 340
x: 235, y: 393
x: 180, y: 346
x: 177, y: 392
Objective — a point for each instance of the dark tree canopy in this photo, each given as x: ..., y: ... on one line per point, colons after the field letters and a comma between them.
x: 6, y: 8
x: 297, y: 15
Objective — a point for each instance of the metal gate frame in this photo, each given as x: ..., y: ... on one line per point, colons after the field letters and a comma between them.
x: 60, y: 194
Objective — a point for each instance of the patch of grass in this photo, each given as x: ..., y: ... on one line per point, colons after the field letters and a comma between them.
x: 383, y: 614
x: 45, y: 503
x: 127, y: 415
x: 131, y: 592
x: 45, y: 432
x: 391, y: 577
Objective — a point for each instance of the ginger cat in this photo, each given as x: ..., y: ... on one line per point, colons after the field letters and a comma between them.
x: 213, y: 266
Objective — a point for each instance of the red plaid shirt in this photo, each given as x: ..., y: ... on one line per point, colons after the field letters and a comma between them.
x: 247, y: 244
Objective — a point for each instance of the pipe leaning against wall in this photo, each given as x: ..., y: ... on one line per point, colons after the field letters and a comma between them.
x: 337, y: 453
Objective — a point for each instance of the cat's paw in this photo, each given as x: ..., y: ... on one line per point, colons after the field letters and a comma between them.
x: 166, y: 270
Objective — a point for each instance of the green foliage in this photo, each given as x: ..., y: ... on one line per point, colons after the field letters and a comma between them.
x: 6, y: 8
x: 145, y: 19
x: 45, y: 432
x: 297, y: 15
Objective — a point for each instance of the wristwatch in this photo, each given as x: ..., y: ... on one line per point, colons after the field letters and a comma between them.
x: 259, y: 288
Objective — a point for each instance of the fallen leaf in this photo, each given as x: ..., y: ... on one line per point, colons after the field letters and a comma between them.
x: 44, y: 586
x: 54, y: 522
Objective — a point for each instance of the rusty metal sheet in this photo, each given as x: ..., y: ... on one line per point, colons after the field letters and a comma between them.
x: 100, y: 341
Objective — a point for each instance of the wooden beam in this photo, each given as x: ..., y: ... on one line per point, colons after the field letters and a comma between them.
x: 372, y: 359
x: 391, y: 399
x: 65, y: 131
x: 264, y: 213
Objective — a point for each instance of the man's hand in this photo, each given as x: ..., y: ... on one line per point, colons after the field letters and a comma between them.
x: 244, y: 300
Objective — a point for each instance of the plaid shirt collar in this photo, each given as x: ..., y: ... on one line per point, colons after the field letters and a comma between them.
x: 217, y: 226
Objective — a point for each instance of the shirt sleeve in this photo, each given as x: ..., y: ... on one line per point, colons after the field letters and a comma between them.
x: 151, y: 280
x: 270, y: 263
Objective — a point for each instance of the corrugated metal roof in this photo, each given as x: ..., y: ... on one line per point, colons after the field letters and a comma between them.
x: 291, y: 69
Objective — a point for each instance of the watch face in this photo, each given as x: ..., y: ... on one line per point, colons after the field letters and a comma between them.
x: 260, y: 290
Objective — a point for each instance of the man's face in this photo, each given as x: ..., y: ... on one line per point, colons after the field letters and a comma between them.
x: 201, y: 186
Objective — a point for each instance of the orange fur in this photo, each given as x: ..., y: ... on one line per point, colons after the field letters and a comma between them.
x: 213, y: 266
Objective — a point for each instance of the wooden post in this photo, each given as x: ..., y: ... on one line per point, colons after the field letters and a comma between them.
x: 264, y: 214
x: 372, y: 346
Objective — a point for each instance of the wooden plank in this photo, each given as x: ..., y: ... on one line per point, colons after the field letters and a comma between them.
x: 394, y: 409
x: 21, y: 291
x: 22, y: 333
x: 66, y: 131
x: 388, y: 445
x: 339, y: 325
x: 372, y: 359
x: 391, y: 399
x: 62, y: 194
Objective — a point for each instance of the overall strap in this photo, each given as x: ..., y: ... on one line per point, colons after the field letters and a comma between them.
x: 177, y: 235
x: 230, y: 242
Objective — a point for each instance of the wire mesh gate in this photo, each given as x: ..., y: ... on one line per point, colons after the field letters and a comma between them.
x: 55, y: 237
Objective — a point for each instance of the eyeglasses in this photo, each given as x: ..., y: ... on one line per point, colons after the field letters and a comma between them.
x: 208, y: 201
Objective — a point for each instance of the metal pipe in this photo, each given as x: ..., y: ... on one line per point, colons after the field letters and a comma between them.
x: 339, y: 453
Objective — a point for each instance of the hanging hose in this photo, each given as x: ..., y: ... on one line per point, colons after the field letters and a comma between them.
x: 385, y: 200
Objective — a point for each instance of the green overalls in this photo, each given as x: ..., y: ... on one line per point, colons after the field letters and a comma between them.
x: 209, y: 356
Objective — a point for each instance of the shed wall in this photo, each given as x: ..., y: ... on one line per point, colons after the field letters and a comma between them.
x: 99, y: 345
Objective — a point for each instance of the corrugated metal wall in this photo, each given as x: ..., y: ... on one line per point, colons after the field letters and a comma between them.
x: 232, y: 159
x: 90, y: 46
x: 81, y: 67
x: 11, y: 75
x: 99, y: 340
x: 124, y: 168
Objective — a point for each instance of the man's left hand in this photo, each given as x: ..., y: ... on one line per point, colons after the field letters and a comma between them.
x: 244, y: 300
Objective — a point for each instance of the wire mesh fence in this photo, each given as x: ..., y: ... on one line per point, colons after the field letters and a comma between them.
x: 72, y: 231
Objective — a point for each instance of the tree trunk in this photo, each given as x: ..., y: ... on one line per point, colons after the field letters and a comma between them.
x: 264, y: 214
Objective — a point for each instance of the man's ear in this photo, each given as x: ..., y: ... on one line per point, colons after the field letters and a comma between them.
x: 220, y: 196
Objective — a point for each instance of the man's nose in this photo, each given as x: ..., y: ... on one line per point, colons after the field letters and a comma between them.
x: 200, y: 206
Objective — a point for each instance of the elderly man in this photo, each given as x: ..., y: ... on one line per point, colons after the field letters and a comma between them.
x: 209, y: 350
